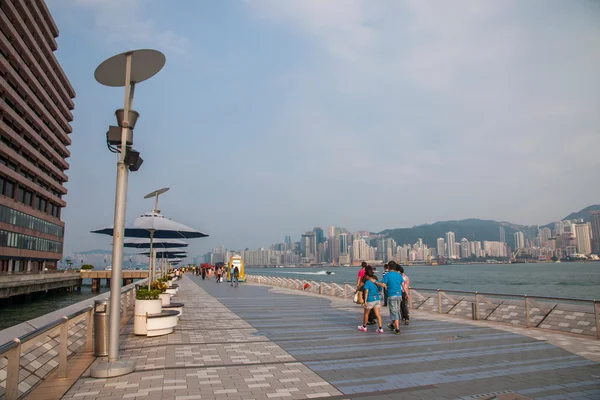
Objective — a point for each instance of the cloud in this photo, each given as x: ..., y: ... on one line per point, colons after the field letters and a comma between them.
x: 449, y: 95
x: 126, y: 22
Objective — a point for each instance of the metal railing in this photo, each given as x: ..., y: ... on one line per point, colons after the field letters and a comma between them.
x: 28, y: 359
x: 575, y: 316
x: 40, y: 272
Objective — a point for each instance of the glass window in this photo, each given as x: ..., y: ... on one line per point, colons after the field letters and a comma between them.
x: 9, y: 188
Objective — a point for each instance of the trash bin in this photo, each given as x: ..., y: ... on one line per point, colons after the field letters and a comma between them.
x: 101, y: 315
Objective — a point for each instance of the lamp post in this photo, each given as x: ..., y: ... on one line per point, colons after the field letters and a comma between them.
x: 123, y: 70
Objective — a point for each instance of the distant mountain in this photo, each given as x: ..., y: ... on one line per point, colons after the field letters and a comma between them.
x: 584, y: 214
x: 472, y: 229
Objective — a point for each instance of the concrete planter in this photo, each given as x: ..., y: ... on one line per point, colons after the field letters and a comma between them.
x: 163, y: 323
x: 142, y: 308
x: 165, y: 298
x: 172, y: 292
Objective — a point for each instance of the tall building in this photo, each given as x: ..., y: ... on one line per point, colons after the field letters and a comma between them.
x: 595, y: 231
x: 465, y: 248
x: 343, y: 243
x: 519, y: 240
x: 544, y: 235
x: 35, y: 108
x: 451, y: 241
x: 441, y: 247
x: 583, y: 236
x: 502, y: 235
x: 318, y: 235
x: 288, y: 242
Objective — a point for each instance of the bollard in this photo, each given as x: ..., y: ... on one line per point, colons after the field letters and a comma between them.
x: 64, y: 346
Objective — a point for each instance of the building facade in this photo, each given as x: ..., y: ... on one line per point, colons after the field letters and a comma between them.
x: 35, y: 115
x: 595, y: 218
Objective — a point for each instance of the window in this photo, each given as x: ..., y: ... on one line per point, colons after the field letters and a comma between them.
x: 9, y: 188
x: 21, y: 241
x: 21, y: 219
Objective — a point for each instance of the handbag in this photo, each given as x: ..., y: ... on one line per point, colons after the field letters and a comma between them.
x: 358, y: 297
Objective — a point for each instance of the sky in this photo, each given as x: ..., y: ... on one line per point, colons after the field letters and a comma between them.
x: 273, y: 117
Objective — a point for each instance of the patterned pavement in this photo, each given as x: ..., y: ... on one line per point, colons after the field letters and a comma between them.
x: 256, y: 342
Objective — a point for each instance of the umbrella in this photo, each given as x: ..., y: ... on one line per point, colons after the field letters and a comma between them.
x: 161, y: 227
x: 171, y: 253
x: 155, y: 226
x: 140, y: 243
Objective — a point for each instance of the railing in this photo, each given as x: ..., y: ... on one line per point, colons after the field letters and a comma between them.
x: 40, y: 272
x: 27, y: 360
x: 576, y: 316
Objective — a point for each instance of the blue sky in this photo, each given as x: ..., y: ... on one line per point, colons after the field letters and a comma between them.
x: 272, y: 117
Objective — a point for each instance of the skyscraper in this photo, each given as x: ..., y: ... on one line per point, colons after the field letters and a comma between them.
x: 318, y: 235
x: 519, y: 240
x: 441, y: 247
x: 451, y: 241
x: 343, y: 243
x: 502, y: 235
x: 465, y: 248
x: 544, y: 235
x: 35, y: 103
x: 583, y: 236
x: 596, y: 232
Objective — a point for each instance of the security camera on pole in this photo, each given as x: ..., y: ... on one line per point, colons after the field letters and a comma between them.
x: 126, y: 69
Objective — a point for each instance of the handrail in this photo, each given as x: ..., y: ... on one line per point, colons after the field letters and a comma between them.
x: 12, y: 349
x: 507, y: 295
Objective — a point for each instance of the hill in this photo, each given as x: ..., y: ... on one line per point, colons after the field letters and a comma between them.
x: 472, y: 229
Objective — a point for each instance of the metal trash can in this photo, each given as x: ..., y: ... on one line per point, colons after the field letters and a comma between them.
x: 101, y: 315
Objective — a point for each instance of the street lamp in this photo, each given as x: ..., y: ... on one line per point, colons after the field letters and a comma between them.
x: 123, y: 70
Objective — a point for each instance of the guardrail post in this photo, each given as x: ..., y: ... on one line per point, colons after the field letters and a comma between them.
x: 123, y: 305
x: 439, y: 301
x: 597, y: 316
x: 64, y: 346
x: 527, y: 320
x: 410, y: 299
x: 321, y: 288
x: 332, y: 290
x: 89, y: 331
x: 12, y: 371
x: 476, y: 307
x: 345, y: 290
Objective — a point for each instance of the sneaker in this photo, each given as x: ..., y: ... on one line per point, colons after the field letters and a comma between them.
x: 396, y: 331
x: 380, y: 330
x: 391, y: 326
x: 406, y: 322
x: 362, y: 328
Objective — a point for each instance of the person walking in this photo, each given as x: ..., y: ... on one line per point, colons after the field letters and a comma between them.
x: 386, y: 269
x: 372, y: 300
x: 359, y: 287
x: 405, y: 296
x: 203, y: 272
x: 393, y: 280
x: 234, y: 276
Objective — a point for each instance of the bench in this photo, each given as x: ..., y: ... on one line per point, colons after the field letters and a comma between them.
x: 163, y: 323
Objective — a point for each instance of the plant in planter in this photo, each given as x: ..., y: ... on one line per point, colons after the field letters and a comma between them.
x: 87, y: 267
x: 146, y: 302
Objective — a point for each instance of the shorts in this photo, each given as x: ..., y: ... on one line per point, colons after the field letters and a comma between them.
x: 373, y: 304
x: 394, y: 306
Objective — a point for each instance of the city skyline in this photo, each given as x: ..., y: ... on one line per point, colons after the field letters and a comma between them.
x: 294, y: 114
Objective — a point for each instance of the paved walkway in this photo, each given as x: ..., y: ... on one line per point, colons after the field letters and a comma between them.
x: 255, y: 342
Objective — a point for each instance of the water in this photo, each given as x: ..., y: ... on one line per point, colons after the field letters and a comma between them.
x: 42, y: 304
x: 574, y: 280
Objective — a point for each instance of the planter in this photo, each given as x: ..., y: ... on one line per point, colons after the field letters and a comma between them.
x: 165, y: 298
x: 162, y: 323
x: 172, y: 292
x: 142, y: 308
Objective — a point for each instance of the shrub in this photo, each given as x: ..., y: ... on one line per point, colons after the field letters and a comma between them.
x: 87, y: 266
x: 160, y: 286
x: 145, y: 294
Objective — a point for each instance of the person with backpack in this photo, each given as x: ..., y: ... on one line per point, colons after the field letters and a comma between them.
x: 372, y: 299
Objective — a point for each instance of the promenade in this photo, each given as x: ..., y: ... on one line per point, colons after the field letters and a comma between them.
x: 258, y: 342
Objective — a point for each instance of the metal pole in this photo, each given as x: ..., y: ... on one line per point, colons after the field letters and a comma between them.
x: 151, y: 258
x: 119, y: 226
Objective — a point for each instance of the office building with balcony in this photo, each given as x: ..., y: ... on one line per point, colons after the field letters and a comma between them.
x: 35, y: 115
